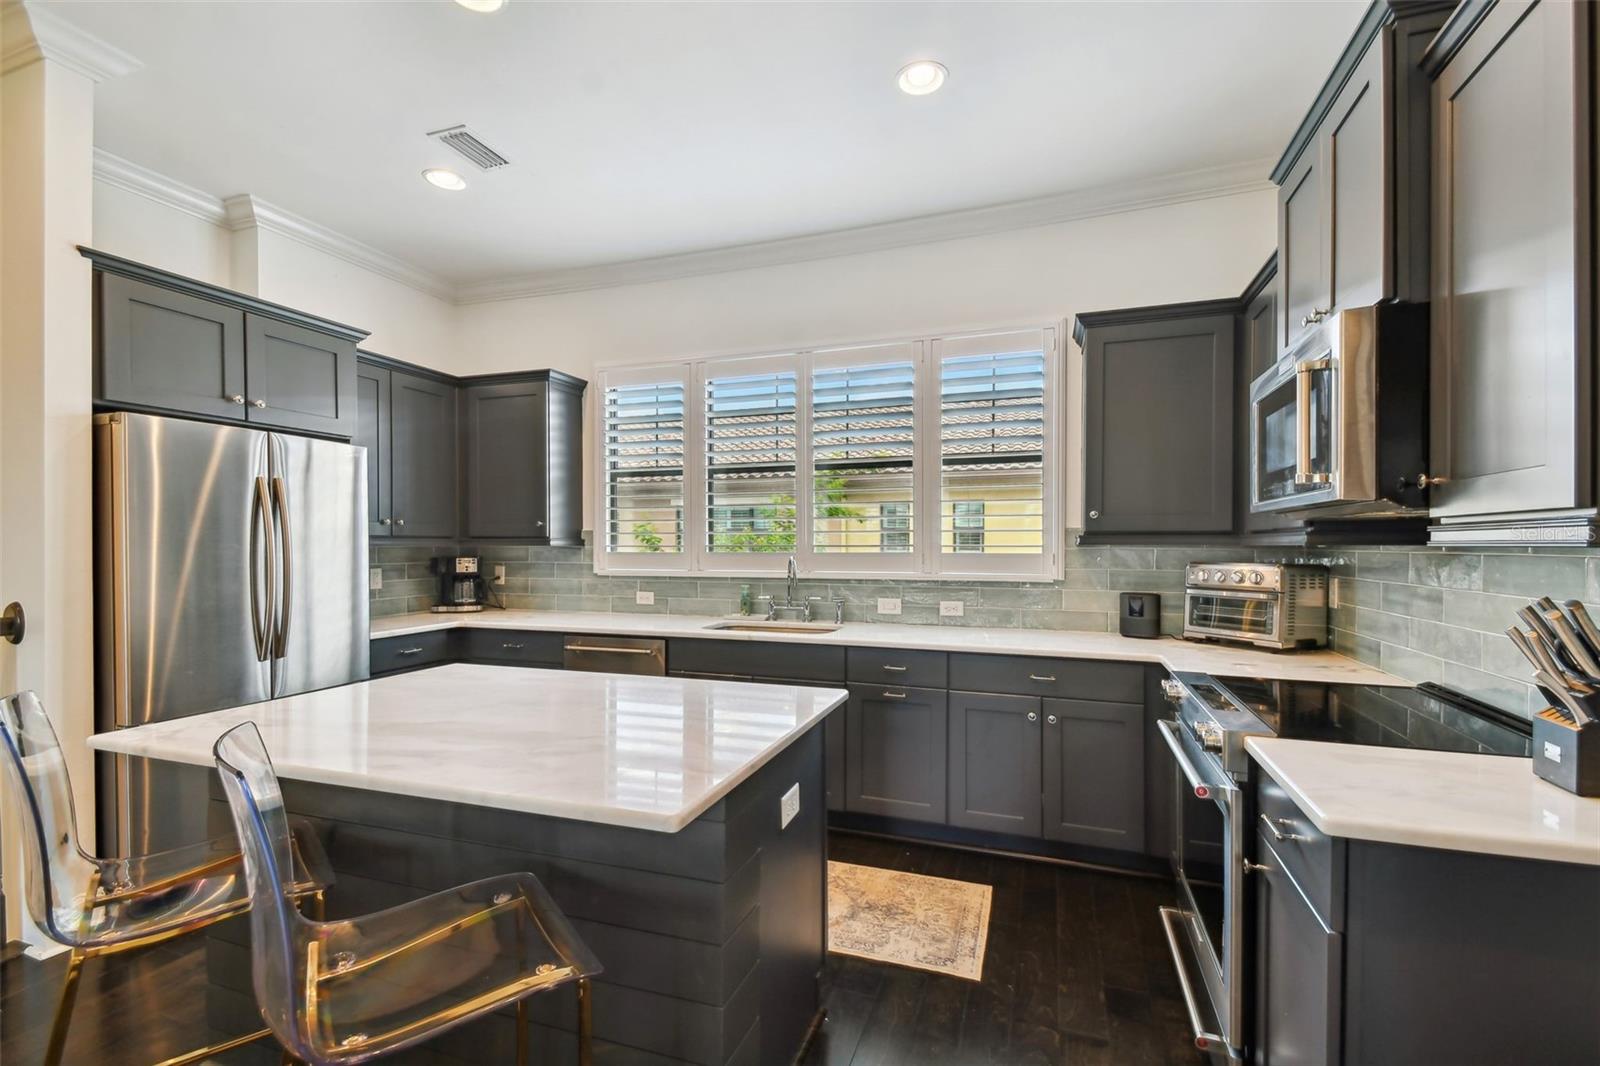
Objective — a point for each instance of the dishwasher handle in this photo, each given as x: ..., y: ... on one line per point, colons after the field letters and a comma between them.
x: 645, y: 656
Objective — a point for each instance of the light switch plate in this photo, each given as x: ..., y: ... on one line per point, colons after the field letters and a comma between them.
x: 644, y: 599
x: 789, y: 806
x: 499, y: 574
x: 888, y: 605
x: 952, y: 608
x: 375, y: 578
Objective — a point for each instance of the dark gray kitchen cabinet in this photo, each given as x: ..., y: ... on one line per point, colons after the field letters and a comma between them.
x: 299, y: 378
x: 373, y: 418
x: 1094, y: 773
x: 170, y: 344
x: 424, y: 450
x: 523, y: 449
x: 995, y: 763
x: 895, y: 749
x: 1299, y: 963
x: 1302, y: 246
x: 1512, y: 414
x: 1158, y: 419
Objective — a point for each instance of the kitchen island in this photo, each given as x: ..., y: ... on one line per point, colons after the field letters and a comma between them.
x: 650, y: 807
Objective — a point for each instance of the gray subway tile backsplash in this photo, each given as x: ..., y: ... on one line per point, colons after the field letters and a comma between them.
x: 1426, y: 614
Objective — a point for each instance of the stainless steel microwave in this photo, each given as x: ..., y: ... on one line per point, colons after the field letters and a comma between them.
x: 1339, y: 425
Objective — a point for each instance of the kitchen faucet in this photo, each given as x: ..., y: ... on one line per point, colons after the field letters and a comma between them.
x: 800, y: 609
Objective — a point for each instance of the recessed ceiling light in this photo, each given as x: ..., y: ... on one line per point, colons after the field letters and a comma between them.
x: 482, y: 7
x: 920, y: 78
x: 444, y: 179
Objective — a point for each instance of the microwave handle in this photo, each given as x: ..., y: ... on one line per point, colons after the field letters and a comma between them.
x: 1303, y: 474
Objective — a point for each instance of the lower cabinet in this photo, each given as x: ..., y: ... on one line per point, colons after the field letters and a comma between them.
x: 1298, y: 963
x: 1094, y: 773
x: 994, y: 763
x: 895, y: 748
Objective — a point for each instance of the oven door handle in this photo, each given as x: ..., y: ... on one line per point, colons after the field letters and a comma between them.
x: 1203, y: 1038
x: 1203, y: 789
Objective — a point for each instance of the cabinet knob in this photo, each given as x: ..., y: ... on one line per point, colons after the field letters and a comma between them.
x: 383, y: 521
x: 1094, y: 514
x: 1051, y: 719
x: 1033, y: 716
x: 399, y: 521
x: 538, y: 523
x: 236, y: 399
x: 1425, y: 481
x: 1317, y: 315
x: 258, y: 404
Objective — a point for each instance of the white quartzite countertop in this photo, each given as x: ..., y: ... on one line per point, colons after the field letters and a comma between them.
x: 1170, y: 652
x: 644, y: 752
x: 1490, y: 804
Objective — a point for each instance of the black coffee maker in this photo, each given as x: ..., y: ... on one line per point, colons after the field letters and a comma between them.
x: 461, y: 586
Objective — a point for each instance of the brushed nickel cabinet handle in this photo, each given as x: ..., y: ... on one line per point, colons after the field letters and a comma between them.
x: 889, y: 694
x: 513, y: 647
x: 409, y: 651
x: 1279, y: 835
x: 385, y: 521
x: 1048, y: 679
x: 894, y: 669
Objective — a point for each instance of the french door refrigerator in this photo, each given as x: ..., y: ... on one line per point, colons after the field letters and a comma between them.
x: 230, y: 567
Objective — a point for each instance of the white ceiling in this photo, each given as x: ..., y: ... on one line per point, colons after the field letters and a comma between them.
x: 641, y: 130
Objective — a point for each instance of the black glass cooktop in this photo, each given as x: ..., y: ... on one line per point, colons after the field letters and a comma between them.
x: 1429, y: 716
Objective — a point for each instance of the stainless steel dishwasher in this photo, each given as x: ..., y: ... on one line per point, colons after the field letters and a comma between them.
x: 615, y: 655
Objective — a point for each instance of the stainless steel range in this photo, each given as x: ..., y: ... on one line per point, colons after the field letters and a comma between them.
x: 1212, y: 851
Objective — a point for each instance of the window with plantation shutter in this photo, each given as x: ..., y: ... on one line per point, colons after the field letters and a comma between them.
x: 643, y: 429
x: 863, y: 455
x: 751, y: 452
x: 992, y: 446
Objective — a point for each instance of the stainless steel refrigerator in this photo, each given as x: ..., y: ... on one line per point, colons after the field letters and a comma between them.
x: 230, y: 567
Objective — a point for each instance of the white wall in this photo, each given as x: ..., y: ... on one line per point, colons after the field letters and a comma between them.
x: 1197, y: 250
x: 139, y: 228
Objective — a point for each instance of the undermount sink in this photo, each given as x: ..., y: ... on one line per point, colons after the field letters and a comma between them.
x: 773, y: 627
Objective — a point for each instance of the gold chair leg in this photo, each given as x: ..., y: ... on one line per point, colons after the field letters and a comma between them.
x: 585, y: 1024
x: 69, y: 994
x: 522, y: 1031
x: 199, y: 1055
x: 319, y: 905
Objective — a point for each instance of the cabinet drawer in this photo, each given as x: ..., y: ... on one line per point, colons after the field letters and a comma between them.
x: 1314, y: 860
x: 1077, y: 679
x: 754, y: 658
x: 392, y: 654
x: 511, y: 646
x: 881, y: 666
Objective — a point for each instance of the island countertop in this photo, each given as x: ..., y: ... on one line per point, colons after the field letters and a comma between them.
x: 643, y: 752
x: 1170, y: 652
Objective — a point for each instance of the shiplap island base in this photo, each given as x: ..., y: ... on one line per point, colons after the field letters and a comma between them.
x: 648, y: 806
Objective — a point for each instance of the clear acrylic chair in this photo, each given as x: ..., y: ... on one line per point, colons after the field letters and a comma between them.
x: 98, y: 906
x: 337, y: 992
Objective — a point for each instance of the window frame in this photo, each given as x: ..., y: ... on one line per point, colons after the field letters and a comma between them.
x: 925, y: 562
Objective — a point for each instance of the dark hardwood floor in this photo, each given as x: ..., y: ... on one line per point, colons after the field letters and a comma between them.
x: 1077, y: 972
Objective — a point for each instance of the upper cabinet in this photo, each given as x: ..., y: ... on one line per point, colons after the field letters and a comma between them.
x: 522, y: 444
x: 1352, y: 186
x: 1512, y: 429
x: 408, y: 424
x: 169, y: 344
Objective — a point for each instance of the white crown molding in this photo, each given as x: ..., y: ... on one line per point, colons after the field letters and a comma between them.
x: 1189, y: 186
x: 30, y: 32
x: 118, y: 172
x: 245, y: 211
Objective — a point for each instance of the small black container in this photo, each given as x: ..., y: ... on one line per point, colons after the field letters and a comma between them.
x: 1565, y: 754
x: 1140, y: 615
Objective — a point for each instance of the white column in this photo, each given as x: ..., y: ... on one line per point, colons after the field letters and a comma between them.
x: 48, y: 72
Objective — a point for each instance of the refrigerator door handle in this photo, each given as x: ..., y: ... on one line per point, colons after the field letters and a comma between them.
x: 280, y: 511
x: 260, y: 527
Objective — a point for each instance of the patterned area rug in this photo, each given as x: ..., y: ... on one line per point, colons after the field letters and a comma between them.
x: 929, y: 923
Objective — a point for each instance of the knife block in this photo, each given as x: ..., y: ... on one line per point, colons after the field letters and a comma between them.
x: 1566, y: 754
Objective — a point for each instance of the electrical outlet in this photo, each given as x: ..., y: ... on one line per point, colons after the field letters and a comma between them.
x: 644, y: 599
x: 499, y: 574
x: 375, y: 578
x: 888, y: 605
x: 952, y: 608
x: 789, y: 806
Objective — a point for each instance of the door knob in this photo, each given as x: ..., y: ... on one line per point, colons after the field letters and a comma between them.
x: 13, y: 623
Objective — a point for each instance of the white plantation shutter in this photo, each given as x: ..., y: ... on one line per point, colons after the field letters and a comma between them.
x: 863, y: 454
x: 643, y: 454
x: 751, y: 452
x: 993, y: 436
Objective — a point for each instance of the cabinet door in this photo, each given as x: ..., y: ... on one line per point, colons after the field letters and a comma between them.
x: 1158, y: 427
x: 1094, y: 773
x: 297, y: 378
x: 1510, y: 415
x: 1355, y: 154
x: 159, y: 348
x: 995, y: 763
x: 424, y: 456
x: 1298, y: 972
x: 506, y: 429
x: 895, y: 743
x: 373, y: 434
x: 1302, y: 245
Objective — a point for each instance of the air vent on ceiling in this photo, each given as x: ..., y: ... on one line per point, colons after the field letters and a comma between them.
x: 465, y: 142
